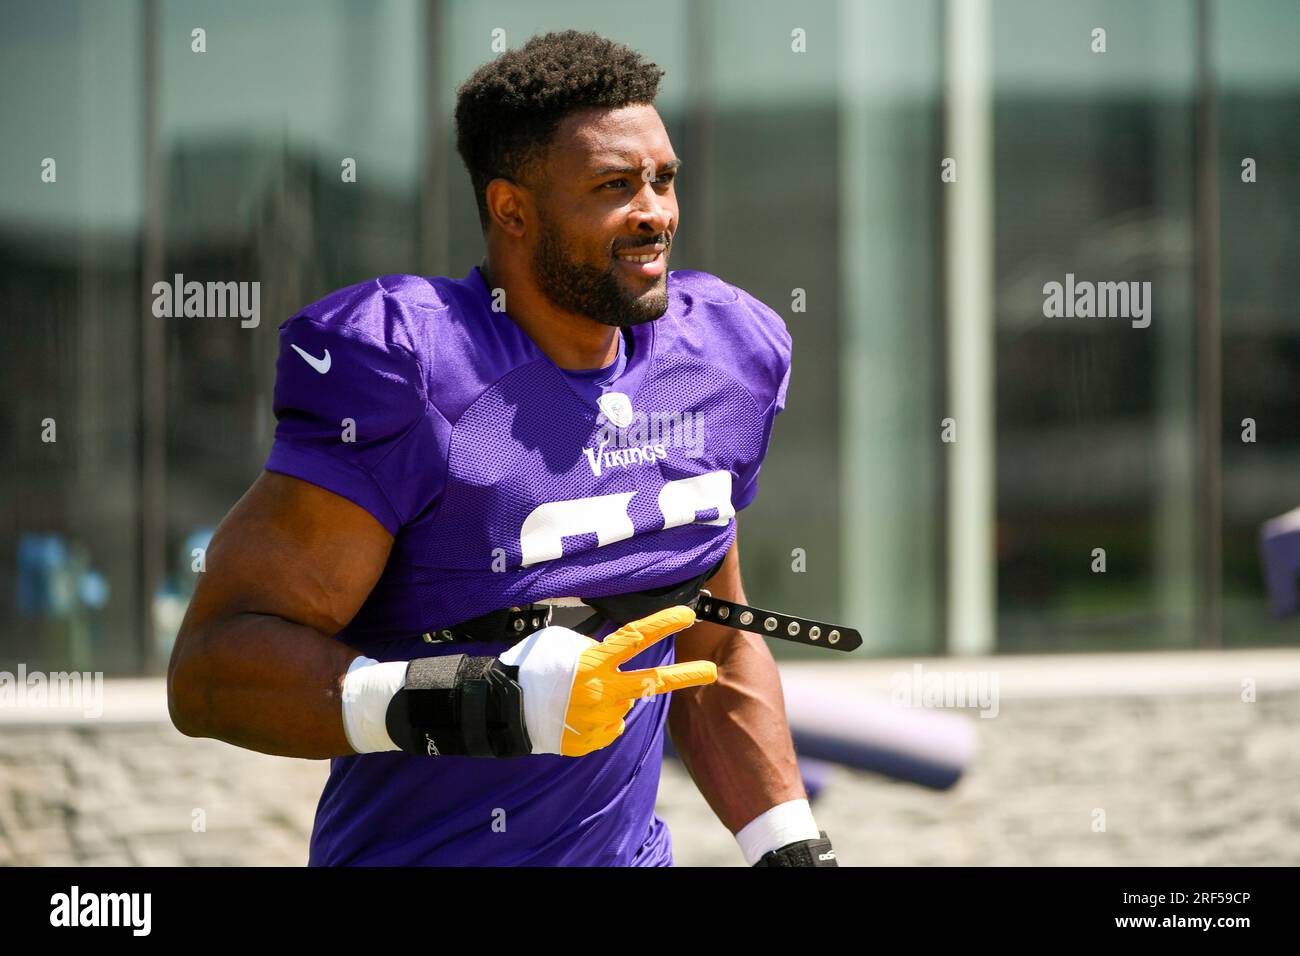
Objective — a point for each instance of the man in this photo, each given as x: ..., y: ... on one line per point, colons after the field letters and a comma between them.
x: 567, y: 421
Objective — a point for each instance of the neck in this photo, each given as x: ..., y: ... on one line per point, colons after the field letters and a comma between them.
x: 571, y: 341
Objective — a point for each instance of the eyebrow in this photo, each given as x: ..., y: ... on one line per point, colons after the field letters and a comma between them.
x: 634, y: 170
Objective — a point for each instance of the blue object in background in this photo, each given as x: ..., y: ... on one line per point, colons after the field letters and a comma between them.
x: 59, y: 589
x: 1279, y: 548
x: 50, y: 582
x: 92, y: 589
x: 41, y: 558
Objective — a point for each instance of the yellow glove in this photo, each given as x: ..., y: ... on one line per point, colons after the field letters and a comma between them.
x: 602, y: 695
x: 575, y: 697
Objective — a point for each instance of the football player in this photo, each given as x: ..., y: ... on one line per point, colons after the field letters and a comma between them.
x: 567, y: 424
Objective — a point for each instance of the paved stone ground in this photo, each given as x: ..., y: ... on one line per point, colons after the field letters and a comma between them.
x: 1183, y: 781
x: 144, y: 795
x: 1196, y: 778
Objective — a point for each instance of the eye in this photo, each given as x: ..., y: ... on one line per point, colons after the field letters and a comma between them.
x: 663, y: 180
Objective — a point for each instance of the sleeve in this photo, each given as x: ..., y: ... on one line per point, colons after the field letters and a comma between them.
x: 767, y: 385
x: 353, y: 417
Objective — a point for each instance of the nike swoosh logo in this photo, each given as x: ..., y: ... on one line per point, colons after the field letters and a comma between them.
x: 321, y: 365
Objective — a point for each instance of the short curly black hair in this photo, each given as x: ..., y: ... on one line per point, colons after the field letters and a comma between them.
x: 508, y: 111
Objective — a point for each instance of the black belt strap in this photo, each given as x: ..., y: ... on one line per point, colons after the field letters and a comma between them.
x: 800, y: 630
x: 510, y: 624
x: 516, y: 623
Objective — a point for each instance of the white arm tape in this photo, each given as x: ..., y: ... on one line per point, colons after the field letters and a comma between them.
x: 784, y: 824
x: 368, y: 688
x: 548, y: 663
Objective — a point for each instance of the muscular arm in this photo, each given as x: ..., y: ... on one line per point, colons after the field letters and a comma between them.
x: 733, y: 736
x: 255, y: 663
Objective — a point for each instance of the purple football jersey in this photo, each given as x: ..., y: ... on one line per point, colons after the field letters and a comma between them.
x: 505, y: 480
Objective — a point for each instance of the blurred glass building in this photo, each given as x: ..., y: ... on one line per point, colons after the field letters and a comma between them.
x: 898, y: 179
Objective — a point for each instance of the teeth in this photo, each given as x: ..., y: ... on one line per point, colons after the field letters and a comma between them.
x: 651, y: 258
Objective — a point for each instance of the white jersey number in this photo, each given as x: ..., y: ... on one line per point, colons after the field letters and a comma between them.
x: 541, y: 538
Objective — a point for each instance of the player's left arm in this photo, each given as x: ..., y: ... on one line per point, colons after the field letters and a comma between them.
x: 733, y: 735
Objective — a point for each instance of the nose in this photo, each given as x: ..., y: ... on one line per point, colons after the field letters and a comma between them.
x: 652, y: 213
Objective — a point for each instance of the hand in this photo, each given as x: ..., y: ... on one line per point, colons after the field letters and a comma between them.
x: 575, y: 697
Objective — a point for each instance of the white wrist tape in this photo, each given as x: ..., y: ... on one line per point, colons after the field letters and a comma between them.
x: 547, y: 662
x: 784, y: 824
x: 368, y: 688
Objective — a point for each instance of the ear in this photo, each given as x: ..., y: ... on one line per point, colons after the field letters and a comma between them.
x: 508, y: 206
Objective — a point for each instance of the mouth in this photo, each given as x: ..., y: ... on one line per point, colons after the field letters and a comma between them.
x: 647, y: 261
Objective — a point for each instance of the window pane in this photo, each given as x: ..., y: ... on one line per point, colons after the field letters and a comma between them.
x: 70, y: 209
x: 1095, y: 415
x: 1258, y: 84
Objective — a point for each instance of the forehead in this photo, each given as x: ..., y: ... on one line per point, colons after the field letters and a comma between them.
x: 589, y: 139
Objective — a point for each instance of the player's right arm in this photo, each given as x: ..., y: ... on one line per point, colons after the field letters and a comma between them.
x: 255, y: 663
x: 356, y: 454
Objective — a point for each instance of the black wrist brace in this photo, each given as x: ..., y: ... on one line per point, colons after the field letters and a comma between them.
x: 459, y: 706
x: 803, y: 853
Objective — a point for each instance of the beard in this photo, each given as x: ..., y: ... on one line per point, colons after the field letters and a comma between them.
x: 598, y: 294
